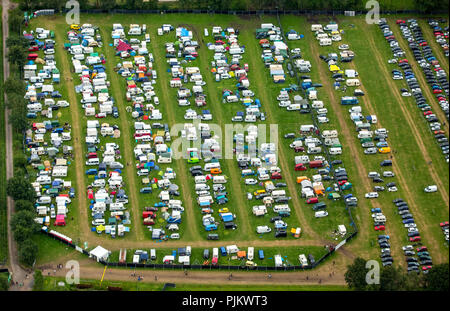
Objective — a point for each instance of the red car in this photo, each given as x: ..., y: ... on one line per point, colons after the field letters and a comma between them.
x: 380, y: 228
x: 426, y: 113
x: 444, y: 224
x: 403, y: 61
x: 33, y: 48
x: 275, y: 175
x: 342, y: 182
x: 414, y: 239
x: 100, y: 115
x: 423, y: 44
x: 437, y: 91
x: 299, y: 149
x: 422, y: 249
x: 425, y: 268
x: 400, y: 21
x: 440, y: 132
x: 300, y: 167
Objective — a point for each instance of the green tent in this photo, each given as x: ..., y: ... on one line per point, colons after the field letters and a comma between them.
x: 334, y: 196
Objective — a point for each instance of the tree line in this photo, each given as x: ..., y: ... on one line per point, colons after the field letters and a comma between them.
x: 424, y: 6
x: 393, y: 278
x: 22, y: 222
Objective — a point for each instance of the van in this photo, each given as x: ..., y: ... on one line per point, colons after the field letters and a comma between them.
x: 44, y: 200
x: 200, y: 179
x: 153, y: 254
x: 201, y: 187
x: 335, y: 151
x: 352, y: 82
x: 232, y: 99
x: 223, y: 251
x: 98, y: 222
x: 250, y: 118
x: 321, y: 214
x: 219, y: 179
x: 381, y: 218
x: 209, y: 166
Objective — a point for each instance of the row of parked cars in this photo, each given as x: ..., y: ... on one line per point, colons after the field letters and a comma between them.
x: 47, y: 140
x: 425, y: 260
x: 372, y: 141
x: 440, y: 33
x: 106, y: 188
x: 423, y: 53
x: 152, y: 151
x: 209, y: 180
x: 415, y: 89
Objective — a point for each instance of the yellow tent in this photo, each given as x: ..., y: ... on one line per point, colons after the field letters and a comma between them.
x: 334, y: 68
x: 100, y: 228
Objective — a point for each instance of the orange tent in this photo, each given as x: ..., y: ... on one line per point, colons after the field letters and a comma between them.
x: 242, y: 254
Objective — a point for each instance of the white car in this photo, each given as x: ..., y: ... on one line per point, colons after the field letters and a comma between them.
x: 413, y: 229
x: 343, y: 47
x: 251, y: 181
x: 49, y: 51
x: 432, y: 188
x: 388, y: 174
x: 175, y: 236
x: 413, y: 225
x: 371, y: 195
x: 406, y: 94
x: 408, y: 248
x: 296, y: 51
x: 392, y: 189
x: 284, y: 103
x: 62, y: 103
x: 392, y: 61
x: 263, y: 229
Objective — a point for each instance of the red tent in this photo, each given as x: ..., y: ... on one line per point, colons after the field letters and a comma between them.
x: 60, y: 220
x: 122, y: 46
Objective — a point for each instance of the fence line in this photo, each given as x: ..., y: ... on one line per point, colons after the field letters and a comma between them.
x: 245, y: 12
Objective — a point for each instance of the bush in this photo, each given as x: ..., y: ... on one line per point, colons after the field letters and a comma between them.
x: 20, y: 189
x: 28, y: 251
x: 23, y: 205
x: 4, y: 282
x: 38, y: 281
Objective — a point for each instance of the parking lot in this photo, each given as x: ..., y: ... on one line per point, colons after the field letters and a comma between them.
x: 346, y: 141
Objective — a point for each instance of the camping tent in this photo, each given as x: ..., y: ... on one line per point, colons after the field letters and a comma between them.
x: 99, y: 253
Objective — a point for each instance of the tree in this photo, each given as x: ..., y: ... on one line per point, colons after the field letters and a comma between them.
x: 437, y: 278
x: 14, y: 85
x: 18, y: 119
x: 28, y: 251
x: 355, y: 276
x: 23, y: 225
x: 38, y: 281
x: 4, y: 282
x: 16, y: 56
x: 23, y: 205
x: 392, y: 279
x: 108, y: 4
x: 20, y: 189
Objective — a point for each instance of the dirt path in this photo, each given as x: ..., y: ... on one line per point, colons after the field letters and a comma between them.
x: 181, y: 163
x: 345, y: 131
x: 326, y: 276
x: 216, y: 109
x: 436, y: 47
x: 408, y: 193
x: 125, y: 128
x: 77, y: 134
x: 257, y: 66
x: 431, y: 99
x: 19, y: 274
x: 407, y: 114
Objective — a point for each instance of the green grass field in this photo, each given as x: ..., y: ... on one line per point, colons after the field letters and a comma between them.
x: 410, y: 162
x: 51, y: 284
